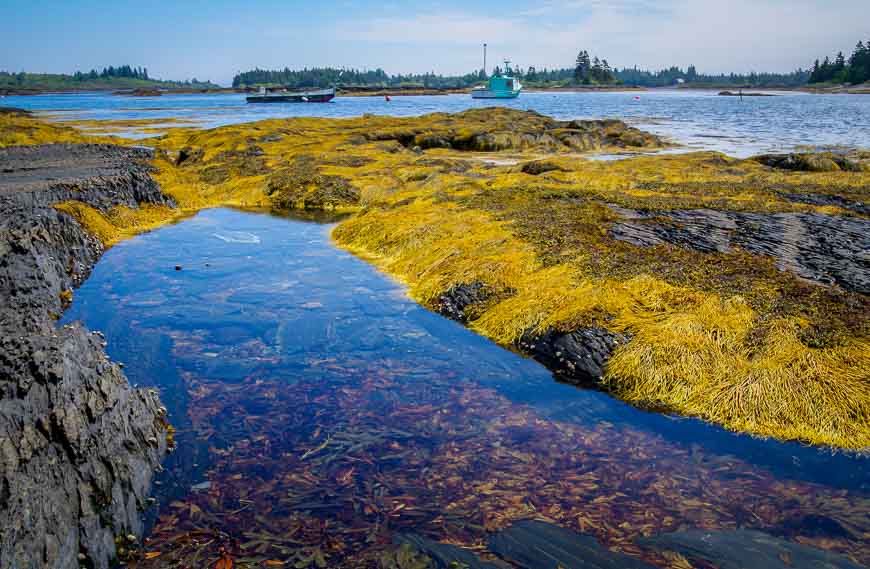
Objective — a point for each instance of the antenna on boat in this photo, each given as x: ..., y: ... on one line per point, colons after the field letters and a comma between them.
x: 484, y: 60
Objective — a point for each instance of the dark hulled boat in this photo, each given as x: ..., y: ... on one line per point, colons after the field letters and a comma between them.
x: 318, y: 96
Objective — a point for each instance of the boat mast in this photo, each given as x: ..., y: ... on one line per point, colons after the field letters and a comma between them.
x: 484, y: 61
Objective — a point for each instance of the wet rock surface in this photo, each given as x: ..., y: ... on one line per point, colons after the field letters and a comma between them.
x: 577, y: 357
x: 538, y: 545
x: 748, y: 549
x: 826, y: 249
x: 454, y: 303
x: 79, y: 445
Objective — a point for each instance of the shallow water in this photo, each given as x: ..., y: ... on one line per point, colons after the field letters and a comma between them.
x: 320, y: 412
x: 697, y: 119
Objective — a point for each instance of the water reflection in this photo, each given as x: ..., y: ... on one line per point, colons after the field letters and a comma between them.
x: 319, y: 412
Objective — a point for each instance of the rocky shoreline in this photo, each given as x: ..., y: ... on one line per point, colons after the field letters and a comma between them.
x: 79, y: 444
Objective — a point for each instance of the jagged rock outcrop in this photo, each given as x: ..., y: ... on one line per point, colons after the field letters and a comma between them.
x: 78, y: 444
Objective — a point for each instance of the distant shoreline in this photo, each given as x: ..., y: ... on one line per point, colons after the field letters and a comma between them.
x: 364, y: 91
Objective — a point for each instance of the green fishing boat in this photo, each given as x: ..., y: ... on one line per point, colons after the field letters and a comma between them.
x: 502, y: 85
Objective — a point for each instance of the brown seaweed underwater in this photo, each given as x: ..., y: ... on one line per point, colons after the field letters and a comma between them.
x: 328, y: 476
x: 308, y: 473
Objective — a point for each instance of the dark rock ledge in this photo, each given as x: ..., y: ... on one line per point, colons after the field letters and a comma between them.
x: 577, y: 357
x: 78, y: 444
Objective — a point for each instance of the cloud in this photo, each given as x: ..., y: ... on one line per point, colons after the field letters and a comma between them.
x: 430, y: 28
x: 738, y: 35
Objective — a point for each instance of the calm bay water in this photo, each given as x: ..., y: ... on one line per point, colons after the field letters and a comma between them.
x: 320, y: 412
x: 697, y: 119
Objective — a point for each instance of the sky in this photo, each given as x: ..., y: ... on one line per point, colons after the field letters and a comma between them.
x: 183, y: 39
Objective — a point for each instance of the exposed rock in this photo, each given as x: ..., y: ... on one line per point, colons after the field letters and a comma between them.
x: 809, y: 162
x: 79, y: 445
x: 826, y: 249
x: 747, y: 549
x: 100, y: 175
x: 578, y: 357
x: 857, y: 206
x: 538, y: 545
x: 454, y: 302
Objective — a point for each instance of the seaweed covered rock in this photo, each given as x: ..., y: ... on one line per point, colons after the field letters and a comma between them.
x: 302, y: 185
x: 538, y: 167
x: 233, y: 164
x: 500, y: 129
x: 810, y: 162
x: 79, y: 445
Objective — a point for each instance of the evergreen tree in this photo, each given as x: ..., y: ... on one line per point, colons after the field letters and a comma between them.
x: 816, y: 74
x: 582, y: 68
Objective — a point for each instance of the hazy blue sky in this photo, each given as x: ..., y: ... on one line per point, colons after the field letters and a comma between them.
x: 213, y: 39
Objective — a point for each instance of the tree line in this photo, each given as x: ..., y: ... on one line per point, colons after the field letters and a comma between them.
x: 329, y: 76
x: 854, y: 70
x: 122, y: 77
x: 587, y: 70
x: 110, y: 72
